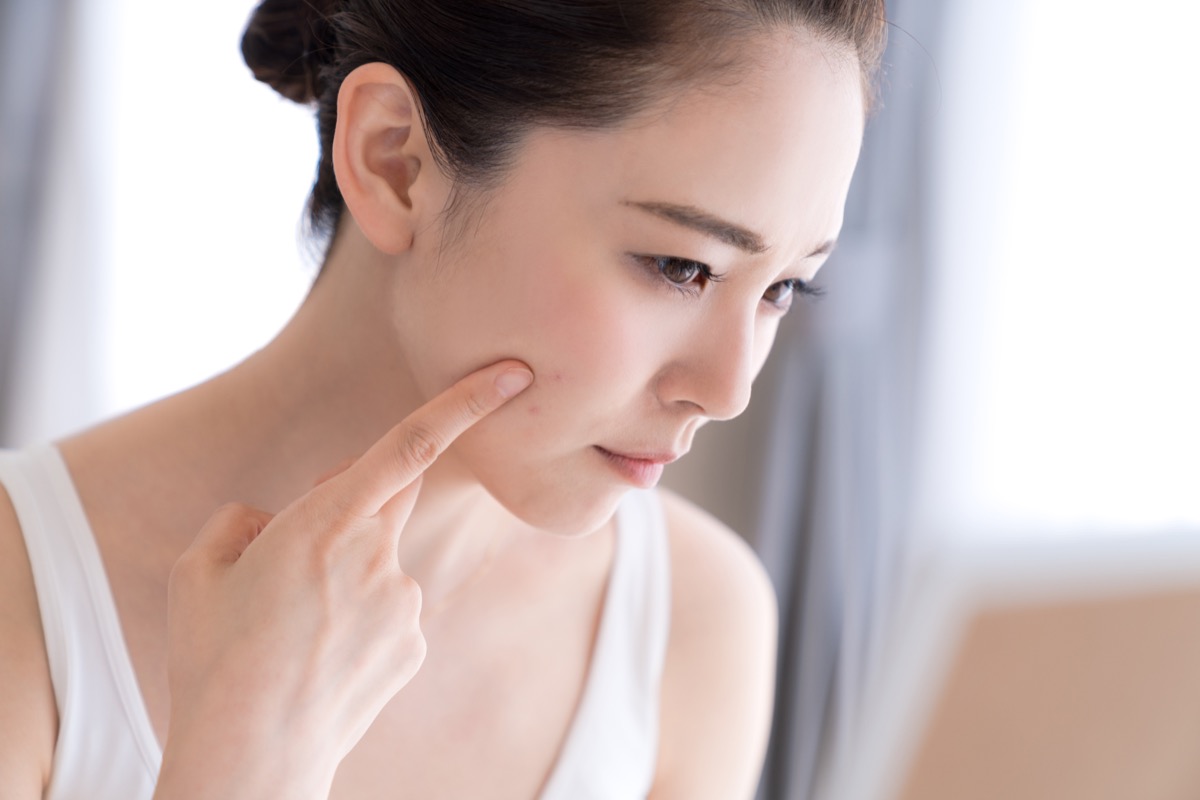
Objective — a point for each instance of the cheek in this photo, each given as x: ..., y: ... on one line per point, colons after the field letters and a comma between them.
x: 588, y: 330
x: 587, y: 349
x: 588, y: 342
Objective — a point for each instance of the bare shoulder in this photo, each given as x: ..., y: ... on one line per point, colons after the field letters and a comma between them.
x: 718, y: 681
x: 719, y: 587
x: 28, y: 720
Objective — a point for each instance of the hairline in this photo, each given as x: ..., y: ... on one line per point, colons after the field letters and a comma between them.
x: 469, y: 198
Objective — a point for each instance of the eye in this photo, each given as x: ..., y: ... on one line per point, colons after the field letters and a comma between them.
x: 783, y: 293
x: 683, y: 273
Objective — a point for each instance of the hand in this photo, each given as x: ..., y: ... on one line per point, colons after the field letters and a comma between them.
x: 287, y: 635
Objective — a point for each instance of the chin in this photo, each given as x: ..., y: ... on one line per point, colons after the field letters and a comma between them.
x: 572, y: 512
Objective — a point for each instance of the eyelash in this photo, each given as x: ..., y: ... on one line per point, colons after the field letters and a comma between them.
x: 661, y: 264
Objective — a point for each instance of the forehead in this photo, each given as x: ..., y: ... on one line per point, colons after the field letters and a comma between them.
x: 772, y: 148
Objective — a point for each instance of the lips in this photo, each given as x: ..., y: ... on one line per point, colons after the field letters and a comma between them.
x: 653, y: 458
x: 642, y: 469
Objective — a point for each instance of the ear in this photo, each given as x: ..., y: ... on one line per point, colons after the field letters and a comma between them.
x: 381, y: 157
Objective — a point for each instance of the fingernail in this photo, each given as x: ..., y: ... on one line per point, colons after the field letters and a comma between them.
x: 513, y: 381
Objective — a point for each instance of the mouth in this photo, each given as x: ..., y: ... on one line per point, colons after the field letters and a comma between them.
x: 640, y: 469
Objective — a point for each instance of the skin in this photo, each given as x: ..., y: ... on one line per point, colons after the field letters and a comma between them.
x: 552, y: 275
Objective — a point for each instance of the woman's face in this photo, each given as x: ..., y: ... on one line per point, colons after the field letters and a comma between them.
x: 642, y: 273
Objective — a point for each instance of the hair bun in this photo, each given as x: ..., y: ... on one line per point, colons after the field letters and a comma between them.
x: 286, y: 44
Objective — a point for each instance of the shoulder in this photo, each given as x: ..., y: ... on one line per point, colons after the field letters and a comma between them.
x: 28, y: 719
x: 718, y: 680
x: 719, y: 586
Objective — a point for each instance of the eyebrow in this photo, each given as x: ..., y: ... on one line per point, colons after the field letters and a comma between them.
x: 711, y: 225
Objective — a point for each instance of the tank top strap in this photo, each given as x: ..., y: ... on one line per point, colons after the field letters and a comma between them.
x: 611, y: 750
x: 106, y: 747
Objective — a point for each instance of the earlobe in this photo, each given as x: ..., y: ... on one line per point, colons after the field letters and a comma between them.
x: 379, y: 152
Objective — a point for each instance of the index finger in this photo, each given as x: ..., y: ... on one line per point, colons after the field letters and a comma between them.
x: 411, y: 447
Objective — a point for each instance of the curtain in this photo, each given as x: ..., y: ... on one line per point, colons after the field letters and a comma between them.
x: 31, y: 50
x: 838, y: 462
x: 55, y: 92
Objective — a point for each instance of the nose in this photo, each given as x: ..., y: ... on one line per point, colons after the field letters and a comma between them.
x: 714, y: 367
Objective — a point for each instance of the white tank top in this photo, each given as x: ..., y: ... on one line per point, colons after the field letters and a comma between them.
x: 107, y: 750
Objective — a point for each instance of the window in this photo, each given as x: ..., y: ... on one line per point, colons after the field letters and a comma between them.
x: 211, y: 173
x: 1064, y: 389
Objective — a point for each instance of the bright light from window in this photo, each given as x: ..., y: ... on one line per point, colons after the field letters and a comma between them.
x: 1074, y: 399
x: 212, y: 169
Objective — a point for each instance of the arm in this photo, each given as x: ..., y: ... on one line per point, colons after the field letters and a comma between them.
x: 28, y: 718
x: 719, y: 677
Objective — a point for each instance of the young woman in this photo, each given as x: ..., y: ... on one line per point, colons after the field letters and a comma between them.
x: 561, y: 238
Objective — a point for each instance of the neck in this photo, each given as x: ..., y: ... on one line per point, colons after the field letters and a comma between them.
x: 329, y: 385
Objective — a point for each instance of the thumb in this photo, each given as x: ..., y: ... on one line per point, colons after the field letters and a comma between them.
x: 228, y: 532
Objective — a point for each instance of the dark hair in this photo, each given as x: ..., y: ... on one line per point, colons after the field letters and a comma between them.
x: 486, y: 71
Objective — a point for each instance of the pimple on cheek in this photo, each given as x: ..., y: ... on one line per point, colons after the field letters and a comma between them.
x: 535, y: 410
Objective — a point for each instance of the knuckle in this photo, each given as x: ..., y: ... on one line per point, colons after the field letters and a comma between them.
x: 329, y: 515
x: 185, y: 575
x: 475, y: 406
x: 380, y: 564
x: 324, y: 510
x: 314, y: 544
x: 418, y: 649
x: 234, y: 509
x: 229, y: 514
x: 404, y: 601
x: 420, y: 446
x: 409, y: 587
x: 407, y: 657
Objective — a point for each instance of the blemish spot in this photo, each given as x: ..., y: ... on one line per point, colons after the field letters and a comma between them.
x: 535, y: 410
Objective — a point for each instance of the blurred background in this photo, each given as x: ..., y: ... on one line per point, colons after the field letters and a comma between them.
x: 1009, y: 341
